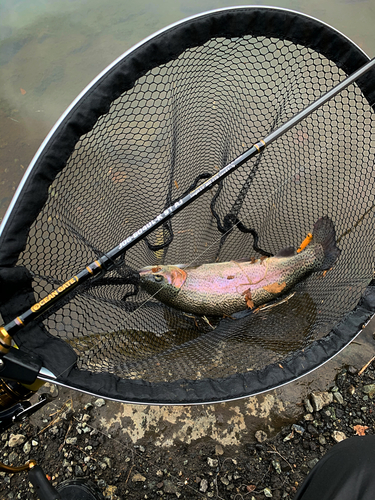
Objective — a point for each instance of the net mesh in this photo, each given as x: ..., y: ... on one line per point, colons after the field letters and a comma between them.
x: 188, y: 117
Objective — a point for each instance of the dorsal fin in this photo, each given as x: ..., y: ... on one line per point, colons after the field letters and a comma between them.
x: 286, y: 252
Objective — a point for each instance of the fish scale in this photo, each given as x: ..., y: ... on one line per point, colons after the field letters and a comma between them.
x: 225, y: 288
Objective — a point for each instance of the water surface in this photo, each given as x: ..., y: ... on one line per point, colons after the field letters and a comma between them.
x: 49, y: 51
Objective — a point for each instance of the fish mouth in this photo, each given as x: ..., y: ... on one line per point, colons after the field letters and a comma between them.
x: 149, y: 270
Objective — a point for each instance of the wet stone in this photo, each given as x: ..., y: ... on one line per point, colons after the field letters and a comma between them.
x: 337, y: 396
x: 322, y: 440
x: 308, y: 406
x: 16, y: 440
x: 212, y: 462
x: 276, y: 466
x: 321, y: 399
x: 312, y: 430
x: 338, y: 436
x: 298, y: 429
x: 203, y: 486
x: 341, y: 379
x: 12, y: 457
x: 138, y: 478
x: 369, y: 390
x: 260, y: 436
x: 78, y: 472
x: 219, y: 449
x: 99, y: 402
x: 312, y: 463
x: 26, y: 448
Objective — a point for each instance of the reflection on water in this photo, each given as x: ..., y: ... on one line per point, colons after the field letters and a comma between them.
x: 49, y: 51
x: 193, y: 347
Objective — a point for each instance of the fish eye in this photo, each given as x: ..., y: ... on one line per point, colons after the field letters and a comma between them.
x: 158, y: 277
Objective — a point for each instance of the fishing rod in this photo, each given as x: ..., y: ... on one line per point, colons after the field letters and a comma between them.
x: 105, y: 262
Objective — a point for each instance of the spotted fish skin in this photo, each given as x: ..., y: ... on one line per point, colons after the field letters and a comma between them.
x: 227, y: 287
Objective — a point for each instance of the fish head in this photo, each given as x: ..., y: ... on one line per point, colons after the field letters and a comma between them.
x: 164, y: 280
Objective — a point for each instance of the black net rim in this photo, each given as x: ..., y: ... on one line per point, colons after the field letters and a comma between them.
x: 80, y: 118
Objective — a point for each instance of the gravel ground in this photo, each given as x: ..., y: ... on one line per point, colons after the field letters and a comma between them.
x: 67, y: 446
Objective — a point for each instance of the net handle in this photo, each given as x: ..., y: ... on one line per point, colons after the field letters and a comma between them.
x: 105, y: 262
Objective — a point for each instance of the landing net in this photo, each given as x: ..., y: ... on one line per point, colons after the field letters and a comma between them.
x: 166, y: 115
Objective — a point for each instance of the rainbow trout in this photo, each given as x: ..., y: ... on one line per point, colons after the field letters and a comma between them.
x: 227, y: 287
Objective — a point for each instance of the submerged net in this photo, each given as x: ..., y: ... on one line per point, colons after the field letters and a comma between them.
x: 165, y: 116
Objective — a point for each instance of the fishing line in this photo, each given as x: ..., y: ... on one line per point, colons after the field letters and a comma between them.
x: 96, y: 342
x: 100, y: 265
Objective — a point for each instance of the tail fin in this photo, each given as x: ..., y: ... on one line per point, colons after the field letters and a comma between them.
x: 324, y: 234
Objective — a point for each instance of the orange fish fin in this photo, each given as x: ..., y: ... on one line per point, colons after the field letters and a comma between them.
x: 178, y: 277
x: 275, y: 288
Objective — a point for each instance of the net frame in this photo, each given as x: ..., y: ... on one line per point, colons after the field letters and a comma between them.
x: 94, y: 102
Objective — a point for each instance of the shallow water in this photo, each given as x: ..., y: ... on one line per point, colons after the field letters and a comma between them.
x: 49, y: 51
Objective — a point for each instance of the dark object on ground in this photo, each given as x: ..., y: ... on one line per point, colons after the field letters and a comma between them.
x: 346, y: 472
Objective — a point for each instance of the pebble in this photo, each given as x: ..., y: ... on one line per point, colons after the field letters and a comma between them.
x: 16, y: 440
x: 12, y: 457
x: 260, y: 436
x: 276, y: 466
x: 338, y: 397
x: 322, y: 440
x: 212, y: 462
x: 312, y: 463
x: 289, y: 437
x: 338, y: 436
x: 26, y: 448
x: 321, y: 399
x: 308, y: 406
x: 110, y: 491
x: 203, y: 486
x: 72, y: 440
x: 219, y: 449
x: 78, y: 472
x: 267, y: 492
x: 308, y: 417
x: 369, y: 389
x: 224, y: 480
x: 138, y: 478
x: 99, y: 402
x: 34, y: 443
x: 298, y: 429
